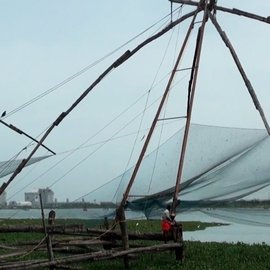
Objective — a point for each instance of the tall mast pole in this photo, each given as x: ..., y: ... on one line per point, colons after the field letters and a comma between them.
x: 150, y: 133
x: 120, y: 212
x: 192, y: 88
x: 242, y: 72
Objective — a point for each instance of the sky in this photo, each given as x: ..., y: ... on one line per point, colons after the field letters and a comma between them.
x: 46, y: 43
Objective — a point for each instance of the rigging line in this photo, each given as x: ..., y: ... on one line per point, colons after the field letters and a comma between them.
x: 86, y: 157
x: 156, y: 154
x: 77, y: 74
x: 81, y: 146
x: 178, y: 31
x: 171, y: 11
x: 109, y: 180
x: 114, y: 179
x: 140, y: 125
x: 113, y: 66
x: 74, y: 150
x: 56, y: 164
x: 94, y: 151
x: 162, y: 126
x: 125, y: 135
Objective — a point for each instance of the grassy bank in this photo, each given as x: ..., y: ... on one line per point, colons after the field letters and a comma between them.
x: 197, y: 255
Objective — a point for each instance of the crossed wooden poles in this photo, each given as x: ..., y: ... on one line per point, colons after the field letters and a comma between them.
x: 209, y: 8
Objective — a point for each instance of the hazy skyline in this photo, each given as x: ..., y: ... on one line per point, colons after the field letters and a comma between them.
x: 44, y: 43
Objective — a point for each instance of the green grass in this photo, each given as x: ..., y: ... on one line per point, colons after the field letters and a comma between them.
x: 203, y: 256
x: 214, y: 256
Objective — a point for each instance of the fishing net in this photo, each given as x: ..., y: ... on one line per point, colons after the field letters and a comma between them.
x: 221, y: 165
x: 7, y: 167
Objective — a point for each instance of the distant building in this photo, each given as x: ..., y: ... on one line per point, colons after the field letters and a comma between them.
x: 47, y: 196
x: 12, y: 204
x: 24, y: 204
x: 33, y: 197
x: 3, y: 199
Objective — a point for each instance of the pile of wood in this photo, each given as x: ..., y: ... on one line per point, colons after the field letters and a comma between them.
x: 69, y: 244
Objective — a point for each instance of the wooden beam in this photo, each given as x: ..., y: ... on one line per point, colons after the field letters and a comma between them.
x: 244, y: 14
x: 96, y: 256
x: 234, y: 11
x: 185, y: 2
x: 241, y: 70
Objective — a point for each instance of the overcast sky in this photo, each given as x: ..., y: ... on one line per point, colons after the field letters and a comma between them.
x: 43, y: 43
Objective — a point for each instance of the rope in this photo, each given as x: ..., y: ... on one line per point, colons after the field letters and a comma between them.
x: 77, y: 74
x: 34, y: 248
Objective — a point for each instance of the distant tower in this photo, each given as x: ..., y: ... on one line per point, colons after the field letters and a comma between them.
x: 47, y: 195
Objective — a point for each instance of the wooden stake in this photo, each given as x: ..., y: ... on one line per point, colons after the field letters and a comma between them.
x: 48, y: 238
x: 120, y: 215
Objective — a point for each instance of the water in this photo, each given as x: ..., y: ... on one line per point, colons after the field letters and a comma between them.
x: 245, y: 225
x: 253, y: 226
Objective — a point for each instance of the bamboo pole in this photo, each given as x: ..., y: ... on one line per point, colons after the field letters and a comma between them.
x: 166, y: 92
x: 244, y: 14
x: 96, y: 256
x: 192, y: 88
x: 24, y: 133
x: 120, y: 213
x: 234, y: 11
x: 241, y: 70
x: 55, y: 229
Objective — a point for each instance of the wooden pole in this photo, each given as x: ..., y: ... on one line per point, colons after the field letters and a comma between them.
x: 94, y: 256
x: 234, y: 11
x: 120, y: 216
x: 120, y: 213
x: 48, y: 238
x: 153, y: 125
x: 192, y: 87
x: 19, y: 131
x: 244, y: 14
x: 241, y: 70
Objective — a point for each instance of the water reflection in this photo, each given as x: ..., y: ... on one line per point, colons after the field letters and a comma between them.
x: 245, y: 225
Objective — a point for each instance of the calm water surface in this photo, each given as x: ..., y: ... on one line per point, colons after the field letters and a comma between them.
x: 245, y: 225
